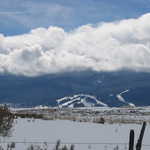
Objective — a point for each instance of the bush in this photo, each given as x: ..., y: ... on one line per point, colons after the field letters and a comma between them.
x: 6, y: 120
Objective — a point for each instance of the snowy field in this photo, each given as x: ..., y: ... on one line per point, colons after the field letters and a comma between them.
x: 83, y: 135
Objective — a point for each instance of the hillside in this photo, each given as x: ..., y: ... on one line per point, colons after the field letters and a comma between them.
x: 105, y: 86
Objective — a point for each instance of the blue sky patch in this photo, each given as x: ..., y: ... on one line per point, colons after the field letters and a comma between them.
x: 20, y: 16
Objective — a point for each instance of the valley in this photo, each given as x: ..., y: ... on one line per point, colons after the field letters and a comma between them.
x: 85, y: 114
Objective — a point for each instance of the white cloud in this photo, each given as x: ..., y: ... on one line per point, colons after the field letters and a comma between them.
x: 106, y: 47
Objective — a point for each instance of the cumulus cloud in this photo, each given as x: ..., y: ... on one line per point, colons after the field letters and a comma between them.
x: 105, y: 47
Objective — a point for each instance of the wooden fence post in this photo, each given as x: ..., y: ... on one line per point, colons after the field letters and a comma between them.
x: 131, y: 140
x: 139, y: 142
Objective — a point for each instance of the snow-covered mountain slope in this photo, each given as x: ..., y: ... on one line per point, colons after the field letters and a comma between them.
x: 122, y: 99
x: 80, y: 100
x: 85, y: 100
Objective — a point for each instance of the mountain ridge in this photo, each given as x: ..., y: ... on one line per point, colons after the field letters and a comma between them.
x: 45, y: 90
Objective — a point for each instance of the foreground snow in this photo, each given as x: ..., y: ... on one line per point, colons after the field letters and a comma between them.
x: 83, y: 135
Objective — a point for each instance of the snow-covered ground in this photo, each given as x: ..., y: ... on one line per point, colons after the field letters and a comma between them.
x: 90, y: 114
x: 84, y: 134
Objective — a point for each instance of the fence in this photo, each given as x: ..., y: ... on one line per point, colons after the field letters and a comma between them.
x: 77, y: 146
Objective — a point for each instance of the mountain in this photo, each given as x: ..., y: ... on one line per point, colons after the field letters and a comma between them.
x: 80, y: 100
x: 108, y: 87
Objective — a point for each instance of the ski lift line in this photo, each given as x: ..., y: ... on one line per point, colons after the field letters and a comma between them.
x: 124, y: 92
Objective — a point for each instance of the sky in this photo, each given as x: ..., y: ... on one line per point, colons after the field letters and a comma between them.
x: 50, y: 36
x: 20, y: 16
